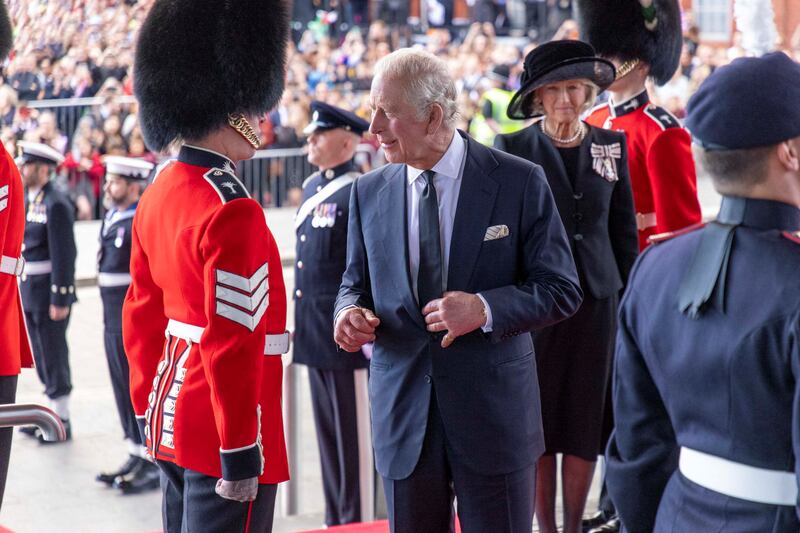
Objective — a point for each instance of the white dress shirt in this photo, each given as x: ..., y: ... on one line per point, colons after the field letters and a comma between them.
x: 447, y: 182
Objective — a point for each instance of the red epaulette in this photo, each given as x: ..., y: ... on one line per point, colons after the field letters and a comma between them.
x: 793, y: 236
x: 667, y: 235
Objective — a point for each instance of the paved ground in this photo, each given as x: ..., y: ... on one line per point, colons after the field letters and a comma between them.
x: 52, y: 488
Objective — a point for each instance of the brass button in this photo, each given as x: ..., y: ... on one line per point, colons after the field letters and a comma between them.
x: 303, y: 238
x: 298, y: 293
x: 300, y: 265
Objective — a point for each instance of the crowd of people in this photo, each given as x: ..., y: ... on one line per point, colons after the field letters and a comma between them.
x: 74, y: 49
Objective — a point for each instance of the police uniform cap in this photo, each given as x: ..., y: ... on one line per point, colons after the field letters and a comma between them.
x: 33, y: 152
x: 752, y: 102
x: 328, y: 117
x: 128, y: 167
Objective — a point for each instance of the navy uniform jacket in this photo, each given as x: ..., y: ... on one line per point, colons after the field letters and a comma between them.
x: 725, y: 383
x: 49, y: 237
x: 114, y: 263
x: 486, y: 384
x: 596, y: 210
x: 320, y: 255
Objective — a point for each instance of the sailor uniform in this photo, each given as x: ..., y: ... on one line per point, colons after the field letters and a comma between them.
x: 321, y: 228
x: 660, y: 161
x: 49, y: 279
x: 206, y: 273
x: 706, y: 391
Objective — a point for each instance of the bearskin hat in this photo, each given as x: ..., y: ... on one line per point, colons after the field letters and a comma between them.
x: 648, y: 30
x: 197, y: 61
x: 6, y: 32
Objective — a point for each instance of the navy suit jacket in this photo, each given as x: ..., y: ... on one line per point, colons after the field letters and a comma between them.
x: 486, y: 384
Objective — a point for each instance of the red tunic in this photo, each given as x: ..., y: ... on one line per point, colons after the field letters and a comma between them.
x: 15, y: 348
x: 205, y: 269
x: 660, y: 162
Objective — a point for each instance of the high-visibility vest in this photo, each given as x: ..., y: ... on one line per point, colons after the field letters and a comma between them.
x: 479, y: 128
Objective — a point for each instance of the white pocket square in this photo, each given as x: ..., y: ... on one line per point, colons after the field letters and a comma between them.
x: 496, y: 232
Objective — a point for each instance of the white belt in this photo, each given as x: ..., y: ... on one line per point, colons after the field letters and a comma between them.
x: 12, y: 265
x: 113, y: 279
x: 37, y: 268
x: 274, y: 345
x: 773, y: 487
x: 645, y: 220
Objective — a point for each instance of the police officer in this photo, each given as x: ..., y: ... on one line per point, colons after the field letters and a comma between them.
x: 321, y: 227
x: 48, y: 282
x: 491, y: 118
x: 707, y: 373
x: 125, y: 180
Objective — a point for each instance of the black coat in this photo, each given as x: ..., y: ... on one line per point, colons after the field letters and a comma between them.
x: 598, y: 214
x: 49, y: 237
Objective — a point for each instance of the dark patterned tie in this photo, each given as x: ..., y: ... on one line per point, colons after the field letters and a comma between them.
x: 429, y: 279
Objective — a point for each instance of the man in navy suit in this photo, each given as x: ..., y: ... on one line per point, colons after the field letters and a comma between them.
x: 455, y: 252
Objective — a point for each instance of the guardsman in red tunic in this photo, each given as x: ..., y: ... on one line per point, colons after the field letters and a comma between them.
x: 204, y: 320
x: 659, y: 148
x: 15, y: 348
x: 643, y: 39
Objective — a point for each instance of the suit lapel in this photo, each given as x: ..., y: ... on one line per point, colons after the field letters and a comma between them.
x: 473, y: 214
x: 394, y: 228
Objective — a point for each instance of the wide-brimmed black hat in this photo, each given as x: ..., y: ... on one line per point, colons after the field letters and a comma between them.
x: 197, y: 61
x: 559, y: 61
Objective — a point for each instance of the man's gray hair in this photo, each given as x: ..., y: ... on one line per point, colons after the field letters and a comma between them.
x: 425, y: 77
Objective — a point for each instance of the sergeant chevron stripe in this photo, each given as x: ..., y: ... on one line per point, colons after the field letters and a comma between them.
x: 245, y: 307
x: 3, y: 197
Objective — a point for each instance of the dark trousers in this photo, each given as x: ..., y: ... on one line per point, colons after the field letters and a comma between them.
x: 50, y: 352
x: 190, y: 505
x: 333, y: 399
x: 8, y: 393
x: 118, y: 368
x: 423, y: 502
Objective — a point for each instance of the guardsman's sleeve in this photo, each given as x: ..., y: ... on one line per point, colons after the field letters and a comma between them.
x: 642, y: 453
x: 235, y: 249
x: 61, y: 240
x: 673, y: 180
x: 622, y: 219
x: 143, y: 327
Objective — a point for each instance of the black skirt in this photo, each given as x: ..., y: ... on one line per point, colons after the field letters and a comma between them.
x: 573, y: 361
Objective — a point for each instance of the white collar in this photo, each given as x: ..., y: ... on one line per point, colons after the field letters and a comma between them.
x: 450, y: 163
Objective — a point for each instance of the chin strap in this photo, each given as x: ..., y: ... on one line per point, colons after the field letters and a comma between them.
x: 239, y: 123
x: 626, y: 68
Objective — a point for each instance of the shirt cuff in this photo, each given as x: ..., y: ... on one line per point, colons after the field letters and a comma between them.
x: 487, y: 327
x: 342, y: 310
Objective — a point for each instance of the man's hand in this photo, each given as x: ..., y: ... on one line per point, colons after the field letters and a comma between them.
x: 58, y: 313
x: 455, y: 312
x: 243, y: 490
x: 355, y: 327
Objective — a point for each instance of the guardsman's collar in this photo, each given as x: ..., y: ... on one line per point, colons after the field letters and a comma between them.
x: 629, y: 106
x: 203, y: 157
x: 760, y: 214
x: 345, y: 167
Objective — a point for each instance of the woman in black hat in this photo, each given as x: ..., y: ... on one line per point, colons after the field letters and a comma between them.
x: 587, y: 170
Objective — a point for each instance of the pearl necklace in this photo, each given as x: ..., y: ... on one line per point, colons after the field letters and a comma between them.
x: 578, y: 134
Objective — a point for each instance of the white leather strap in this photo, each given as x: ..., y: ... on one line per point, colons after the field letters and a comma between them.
x: 645, y: 221
x: 12, y: 265
x: 773, y: 487
x: 113, y: 279
x: 37, y: 268
x: 274, y: 344
x: 334, y: 185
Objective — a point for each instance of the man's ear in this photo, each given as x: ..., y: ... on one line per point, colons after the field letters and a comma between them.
x: 436, y: 118
x: 788, y: 154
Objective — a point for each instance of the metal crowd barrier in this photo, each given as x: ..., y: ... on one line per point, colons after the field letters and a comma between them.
x: 29, y: 414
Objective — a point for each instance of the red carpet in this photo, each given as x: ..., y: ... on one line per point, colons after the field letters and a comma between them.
x: 371, y: 527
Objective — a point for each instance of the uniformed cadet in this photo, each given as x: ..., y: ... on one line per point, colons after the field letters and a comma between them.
x: 204, y: 319
x: 643, y: 39
x: 645, y: 42
x: 125, y: 180
x: 321, y: 227
x: 15, y: 349
x: 707, y: 377
x: 48, y: 281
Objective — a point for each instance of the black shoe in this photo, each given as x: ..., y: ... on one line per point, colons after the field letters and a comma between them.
x: 29, y: 430
x: 596, y: 520
x: 67, y: 428
x: 144, y: 477
x: 109, y: 477
x: 612, y: 526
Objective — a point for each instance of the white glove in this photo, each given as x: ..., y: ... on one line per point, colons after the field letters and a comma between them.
x: 243, y: 490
